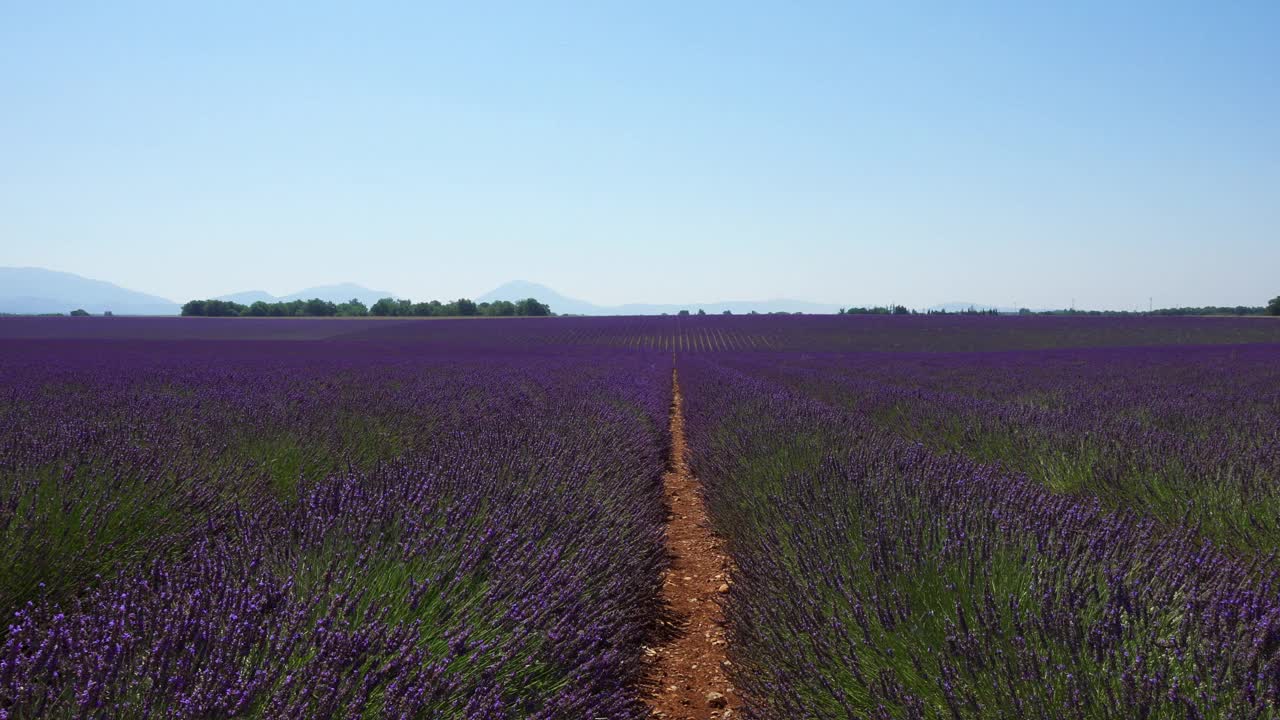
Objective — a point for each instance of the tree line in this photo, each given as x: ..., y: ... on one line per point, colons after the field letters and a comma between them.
x: 878, y: 310
x: 1272, y: 308
x: 386, y: 307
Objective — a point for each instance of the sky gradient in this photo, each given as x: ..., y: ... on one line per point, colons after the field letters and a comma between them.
x: 851, y: 153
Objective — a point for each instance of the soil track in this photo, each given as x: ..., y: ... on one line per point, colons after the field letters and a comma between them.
x: 688, y: 670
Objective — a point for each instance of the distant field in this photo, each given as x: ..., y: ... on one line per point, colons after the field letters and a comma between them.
x: 712, y: 333
x: 928, y: 516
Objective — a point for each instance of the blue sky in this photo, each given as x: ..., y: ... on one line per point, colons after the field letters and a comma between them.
x: 661, y: 152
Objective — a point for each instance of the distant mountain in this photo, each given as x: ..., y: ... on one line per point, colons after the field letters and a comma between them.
x: 249, y: 297
x: 36, y: 290
x: 28, y: 290
x: 561, y: 305
x: 341, y: 292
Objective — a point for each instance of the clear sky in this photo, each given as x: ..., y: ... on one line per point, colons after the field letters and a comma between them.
x: 651, y: 152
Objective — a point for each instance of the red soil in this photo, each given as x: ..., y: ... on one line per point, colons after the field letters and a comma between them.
x: 688, y: 671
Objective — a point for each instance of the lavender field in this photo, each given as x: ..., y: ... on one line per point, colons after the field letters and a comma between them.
x: 927, y: 517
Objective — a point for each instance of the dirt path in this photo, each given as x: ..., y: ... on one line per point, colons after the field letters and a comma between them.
x: 688, y: 670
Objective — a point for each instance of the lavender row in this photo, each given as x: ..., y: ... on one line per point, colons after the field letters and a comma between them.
x: 1188, y: 435
x: 395, y: 535
x: 878, y: 578
x: 683, y: 334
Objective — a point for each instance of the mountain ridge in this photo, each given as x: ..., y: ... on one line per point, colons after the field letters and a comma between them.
x: 33, y: 290
x: 563, y: 305
x: 337, y: 292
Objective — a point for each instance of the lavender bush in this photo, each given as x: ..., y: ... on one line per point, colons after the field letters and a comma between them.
x: 879, y: 578
x: 959, y: 517
x: 1188, y: 435
x: 250, y: 529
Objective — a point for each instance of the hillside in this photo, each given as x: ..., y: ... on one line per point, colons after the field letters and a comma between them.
x: 29, y: 290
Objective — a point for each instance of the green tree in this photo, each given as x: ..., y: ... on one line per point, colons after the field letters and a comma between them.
x: 465, y: 307
x: 315, y: 307
x: 79, y: 312
x: 353, y: 308
x: 1273, y: 307
x: 193, y: 308
x: 502, y: 308
x: 385, y: 307
x: 222, y: 308
x: 533, y: 308
x: 259, y: 309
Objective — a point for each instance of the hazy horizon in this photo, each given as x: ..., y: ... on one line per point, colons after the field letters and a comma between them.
x: 1016, y: 156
